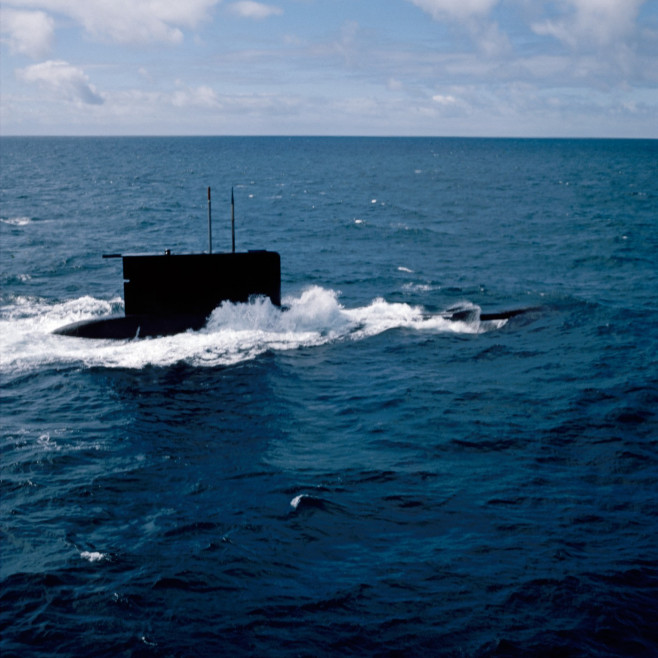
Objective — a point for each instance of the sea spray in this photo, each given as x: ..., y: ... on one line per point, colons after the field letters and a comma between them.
x: 233, y: 333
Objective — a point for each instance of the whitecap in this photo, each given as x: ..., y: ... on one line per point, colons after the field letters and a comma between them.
x: 45, y: 442
x: 417, y: 287
x: 93, y: 556
x: 16, y: 221
x: 294, y: 503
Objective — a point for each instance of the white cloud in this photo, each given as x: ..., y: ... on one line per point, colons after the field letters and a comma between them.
x: 591, y: 22
x: 66, y: 81
x: 444, y: 99
x: 474, y: 16
x: 456, y: 9
x: 29, y: 32
x: 202, y: 96
x: 129, y: 21
x: 457, y: 67
x: 256, y: 10
x: 489, y: 39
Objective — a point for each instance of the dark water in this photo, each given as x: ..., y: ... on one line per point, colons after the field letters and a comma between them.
x: 355, y: 475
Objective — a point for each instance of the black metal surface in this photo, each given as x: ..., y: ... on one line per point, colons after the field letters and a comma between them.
x: 197, y: 283
x: 171, y: 293
x: 132, y: 326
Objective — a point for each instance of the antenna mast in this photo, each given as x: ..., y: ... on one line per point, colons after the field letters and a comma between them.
x: 232, y: 223
x: 209, y: 225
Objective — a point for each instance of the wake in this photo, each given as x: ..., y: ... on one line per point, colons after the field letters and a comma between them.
x: 232, y: 334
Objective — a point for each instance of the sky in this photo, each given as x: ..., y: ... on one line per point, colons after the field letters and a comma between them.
x: 493, y: 68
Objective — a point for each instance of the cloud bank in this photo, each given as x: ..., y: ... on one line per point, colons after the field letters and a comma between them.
x: 461, y: 67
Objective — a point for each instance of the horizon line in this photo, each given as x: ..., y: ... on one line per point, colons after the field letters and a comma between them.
x: 311, y: 136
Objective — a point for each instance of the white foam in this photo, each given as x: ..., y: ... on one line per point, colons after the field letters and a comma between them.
x: 294, y: 503
x: 234, y: 332
x: 45, y: 443
x: 16, y: 221
x: 93, y: 556
x: 417, y: 287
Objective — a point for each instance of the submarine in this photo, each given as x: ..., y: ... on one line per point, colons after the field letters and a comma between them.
x: 167, y: 293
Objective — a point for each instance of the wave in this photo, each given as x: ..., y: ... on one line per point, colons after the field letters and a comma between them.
x: 233, y: 333
x: 16, y: 221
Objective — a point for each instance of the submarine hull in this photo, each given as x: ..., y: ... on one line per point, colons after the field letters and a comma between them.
x: 170, y: 294
x: 120, y: 327
x: 470, y: 314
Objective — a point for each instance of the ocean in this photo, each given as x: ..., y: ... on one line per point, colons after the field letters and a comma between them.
x: 353, y: 474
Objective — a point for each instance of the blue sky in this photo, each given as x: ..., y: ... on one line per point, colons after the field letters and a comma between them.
x: 572, y: 68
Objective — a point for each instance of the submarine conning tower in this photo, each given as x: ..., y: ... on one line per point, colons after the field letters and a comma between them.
x: 169, y: 293
x: 195, y: 284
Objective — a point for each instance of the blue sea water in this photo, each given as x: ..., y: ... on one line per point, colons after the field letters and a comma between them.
x: 354, y: 475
